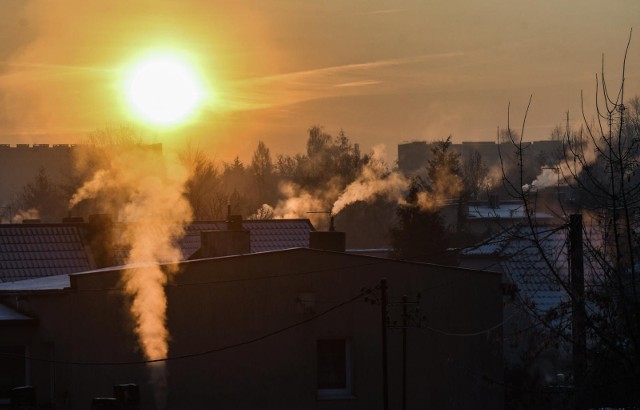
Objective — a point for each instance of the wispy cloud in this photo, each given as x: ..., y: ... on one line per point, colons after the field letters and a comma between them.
x: 362, y: 83
x: 342, y: 80
x: 383, y: 11
x: 57, y: 67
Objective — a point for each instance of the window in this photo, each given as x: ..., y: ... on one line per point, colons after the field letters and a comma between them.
x: 334, y: 368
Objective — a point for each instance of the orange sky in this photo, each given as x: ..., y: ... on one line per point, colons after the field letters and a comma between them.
x: 384, y: 71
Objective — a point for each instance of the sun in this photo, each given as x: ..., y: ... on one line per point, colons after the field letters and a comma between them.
x: 163, y: 90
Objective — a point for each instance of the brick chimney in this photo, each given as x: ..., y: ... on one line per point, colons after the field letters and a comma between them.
x: 331, y: 240
x: 100, y: 237
x: 232, y: 241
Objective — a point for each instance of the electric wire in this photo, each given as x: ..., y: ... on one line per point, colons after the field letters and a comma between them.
x: 197, y: 354
x: 478, y: 333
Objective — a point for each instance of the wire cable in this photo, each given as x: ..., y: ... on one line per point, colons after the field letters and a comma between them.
x: 478, y: 333
x: 197, y: 354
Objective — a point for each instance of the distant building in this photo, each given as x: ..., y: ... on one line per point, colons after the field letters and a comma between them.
x: 270, y: 330
x: 414, y: 156
x: 20, y: 164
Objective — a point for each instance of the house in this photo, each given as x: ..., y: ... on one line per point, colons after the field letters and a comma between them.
x: 484, y: 219
x: 528, y: 259
x: 296, y: 328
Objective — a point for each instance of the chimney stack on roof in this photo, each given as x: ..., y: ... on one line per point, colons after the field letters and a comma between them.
x: 101, y: 241
x: 494, y: 201
x: 331, y: 240
x: 232, y: 241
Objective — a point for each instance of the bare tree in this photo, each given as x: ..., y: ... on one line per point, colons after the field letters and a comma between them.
x: 203, y: 185
x: 600, y: 321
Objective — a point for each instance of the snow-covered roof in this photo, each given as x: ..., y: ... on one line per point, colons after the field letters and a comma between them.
x: 505, y: 211
x: 529, y: 258
x: 9, y: 315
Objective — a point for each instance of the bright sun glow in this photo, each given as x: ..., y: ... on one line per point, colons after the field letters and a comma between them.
x: 164, y: 90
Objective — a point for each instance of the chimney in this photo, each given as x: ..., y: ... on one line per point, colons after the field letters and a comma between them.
x: 232, y: 241
x: 331, y: 240
x: 234, y: 223
x: 105, y: 403
x: 100, y: 237
x: 127, y: 395
x: 73, y: 220
x: 494, y: 201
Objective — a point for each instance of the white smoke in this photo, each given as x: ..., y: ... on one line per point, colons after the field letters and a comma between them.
x: 373, y: 182
x: 21, y: 215
x: 154, y: 211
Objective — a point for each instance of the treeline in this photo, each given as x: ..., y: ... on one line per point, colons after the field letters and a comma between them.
x: 290, y: 186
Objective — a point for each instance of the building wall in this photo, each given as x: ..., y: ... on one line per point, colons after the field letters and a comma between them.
x: 226, y: 301
x: 414, y: 156
x: 19, y: 165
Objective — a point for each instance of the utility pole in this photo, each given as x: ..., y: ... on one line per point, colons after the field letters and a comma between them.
x: 385, y: 370
x: 405, y: 301
x: 578, y: 317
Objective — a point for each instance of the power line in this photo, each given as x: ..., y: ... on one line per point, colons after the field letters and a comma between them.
x: 478, y: 333
x: 197, y: 354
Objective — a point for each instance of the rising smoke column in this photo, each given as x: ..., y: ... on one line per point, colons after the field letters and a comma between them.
x: 373, y: 181
x: 376, y: 181
x: 154, y: 213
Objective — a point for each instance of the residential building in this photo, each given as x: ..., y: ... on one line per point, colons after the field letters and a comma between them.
x: 298, y: 328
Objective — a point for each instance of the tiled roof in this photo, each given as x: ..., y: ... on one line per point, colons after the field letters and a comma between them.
x: 32, y: 251
x: 505, y: 211
x: 524, y: 264
x: 28, y: 251
x: 266, y: 235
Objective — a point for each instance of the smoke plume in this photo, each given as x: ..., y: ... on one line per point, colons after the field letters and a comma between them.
x: 153, y: 213
x: 21, y: 215
x: 374, y: 181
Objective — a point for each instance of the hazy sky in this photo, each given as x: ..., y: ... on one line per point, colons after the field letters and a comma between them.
x: 383, y: 71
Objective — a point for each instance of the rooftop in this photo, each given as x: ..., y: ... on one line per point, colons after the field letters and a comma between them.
x: 30, y: 251
x: 514, y: 252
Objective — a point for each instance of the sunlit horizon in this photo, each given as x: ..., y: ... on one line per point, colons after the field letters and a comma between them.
x: 382, y: 72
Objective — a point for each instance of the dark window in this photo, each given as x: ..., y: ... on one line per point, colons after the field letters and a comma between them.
x: 334, y: 366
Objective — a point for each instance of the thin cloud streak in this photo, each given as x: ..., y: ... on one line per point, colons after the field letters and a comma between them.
x: 386, y: 11
x: 363, y: 83
x: 344, y: 80
x: 54, y: 66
